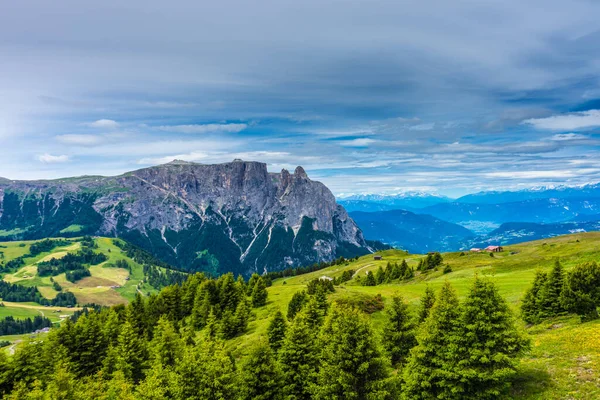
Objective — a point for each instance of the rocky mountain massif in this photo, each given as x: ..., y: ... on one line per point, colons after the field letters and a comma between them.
x: 216, y: 218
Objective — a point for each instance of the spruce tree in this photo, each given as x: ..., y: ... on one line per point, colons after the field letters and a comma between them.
x: 369, y: 279
x: 131, y: 353
x: 321, y: 300
x: 429, y: 373
x: 299, y: 359
x: 296, y: 303
x: 259, y: 293
x: 488, y: 344
x: 206, y: 372
x: 241, y: 316
x: 581, y: 293
x: 550, y: 304
x: 380, y: 276
x: 531, y: 303
x: 427, y: 302
x: 260, y: 376
x: 276, y: 331
x: 398, y: 332
x: 166, y: 347
x: 313, y: 313
x: 351, y: 362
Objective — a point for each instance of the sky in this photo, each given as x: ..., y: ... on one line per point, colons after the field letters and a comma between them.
x: 368, y: 96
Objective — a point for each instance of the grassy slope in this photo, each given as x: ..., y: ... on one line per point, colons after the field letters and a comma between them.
x: 95, y: 289
x: 565, y: 355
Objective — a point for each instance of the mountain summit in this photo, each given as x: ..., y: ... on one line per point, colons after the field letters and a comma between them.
x: 218, y: 218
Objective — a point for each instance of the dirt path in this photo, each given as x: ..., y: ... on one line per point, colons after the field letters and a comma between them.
x: 11, y: 349
x: 360, y: 269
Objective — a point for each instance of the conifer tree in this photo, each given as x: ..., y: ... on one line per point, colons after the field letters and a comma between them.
x: 259, y: 293
x: 351, y: 362
x: 488, y: 344
x: 430, y: 373
x: 90, y: 345
x: 206, y: 372
x: 313, y: 313
x: 156, y: 385
x: 369, y: 279
x: 241, y: 316
x: 131, y: 353
x: 112, y: 327
x: 380, y: 276
x: 228, y: 293
x: 398, y: 332
x: 260, y: 376
x: 321, y: 300
x: 299, y: 359
x: 276, y: 331
x: 427, y: 302
x: 166, y: 347
x: 228, y: 325
x: 581, y: 293
x: 531, y: 303
x: 296, y: 303
x: 550, y: 304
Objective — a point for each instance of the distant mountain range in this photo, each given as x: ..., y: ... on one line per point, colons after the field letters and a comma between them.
x: 413, y: 232
x: 421, y: 223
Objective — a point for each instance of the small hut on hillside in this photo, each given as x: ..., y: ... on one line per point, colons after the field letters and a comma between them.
x: 377, y: 257
x: 494, y: 249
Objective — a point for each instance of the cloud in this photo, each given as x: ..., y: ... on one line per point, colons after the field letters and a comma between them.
x: 104, y: 124
x: 422, y: 127
x: 560, y: 137
x: 359, y: 142
x: 52, y: 159
x: 204, y: 128
x: 82, y: 140
x: 572, y: 121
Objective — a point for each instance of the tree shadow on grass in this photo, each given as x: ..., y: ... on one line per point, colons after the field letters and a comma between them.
x: 530, y: 382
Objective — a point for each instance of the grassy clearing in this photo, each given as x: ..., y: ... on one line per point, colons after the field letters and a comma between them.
x: 72, y: 229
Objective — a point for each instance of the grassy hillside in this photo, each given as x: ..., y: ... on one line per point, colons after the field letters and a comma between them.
x: 107, y: 285
x: 565, y: 355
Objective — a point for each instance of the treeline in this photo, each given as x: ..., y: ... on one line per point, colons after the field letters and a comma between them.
x: 149, y: 350
x: 46, y: 245
x: 12, y: 326
x: 558, y: 293
x: 159, y: 278
x: 140, y: 256
x: 289, y: 272
x: 432, y: 261
x: 392, y: 272
x: 20, y: 294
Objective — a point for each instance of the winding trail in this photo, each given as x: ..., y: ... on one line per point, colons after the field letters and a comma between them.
x: 360, y: 269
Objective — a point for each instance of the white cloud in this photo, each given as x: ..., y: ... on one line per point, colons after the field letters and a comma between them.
x: 51, y: 159
x: 531, y: 174
x: 360, y: 142
x: 422, y: 127
x: 104, y: 124
x: 204, y: 128
x: 573, y: 121
x: 82, y: 140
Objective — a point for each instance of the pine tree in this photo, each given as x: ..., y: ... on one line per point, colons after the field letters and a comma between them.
x: 299, y: 359
x: 398, y: 332
x: 380, y: 276
x: 370, y: 279
x: 530, y: 305
x: 488, y: 343
x: 90, y: 345
x: 550, y: 304
x: 206, y: 372
x: 351, y: 362
x: 313, y: 313
x: 581, y: 293
x: 166, y: 347
x: 156, y: 385
x: 321, y: 300
x: 131, y: 353
x: 427, y: 302
x: 259, y: 293
x: 429, y: 373
x: 296, y: 303
x: 241, y: 316
x: 228, y: 293
x: 260, y: 376
x: 276, y: 331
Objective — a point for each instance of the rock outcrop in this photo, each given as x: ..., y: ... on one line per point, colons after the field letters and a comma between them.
x: 217, y: 218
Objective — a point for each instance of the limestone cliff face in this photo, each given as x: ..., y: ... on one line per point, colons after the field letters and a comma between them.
x: 226, y: 217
